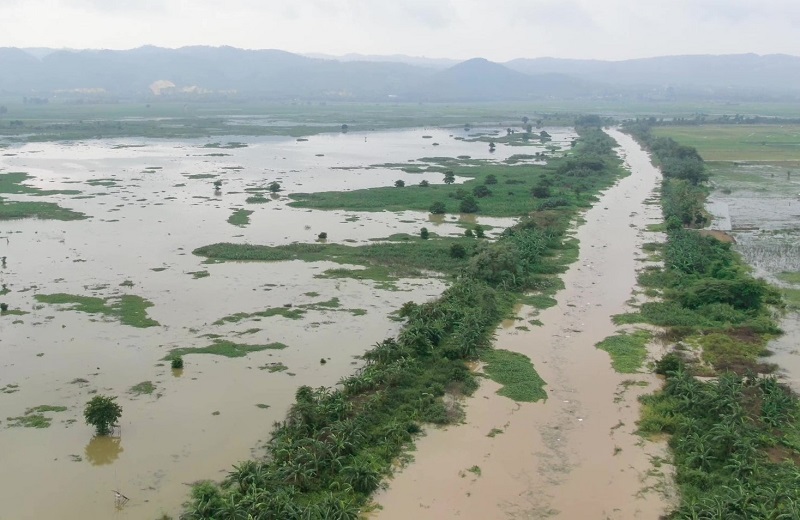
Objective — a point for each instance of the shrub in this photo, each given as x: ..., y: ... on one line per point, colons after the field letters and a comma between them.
x: 177, y: 362
x: 438, y: 208
x: 481, y: 191
x: 468, y: 205
x: 322, y: 236
x: 491, y: 179
x: 399, y: 183
x: 424, y: 233
x: 458, y: 251
x: 424, y: 184
x: 479, y: 232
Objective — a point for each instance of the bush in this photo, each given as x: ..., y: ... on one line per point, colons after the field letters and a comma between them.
x: 3, y: 307
x: 424, y: 234
x: 540, y: 192
x: 424, y: 184
x: 481, y: 191
x: 322, y: 236
x: 438, y: 208
x: 491, y: 179
x: 468, y: 205
x: 177, y: 362
x: 399, y: 183
x: 479, y: 232
x: 458, y: 251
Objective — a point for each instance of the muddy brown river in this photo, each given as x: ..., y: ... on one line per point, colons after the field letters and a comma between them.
x: 575, y: 455
x: 151, y: 203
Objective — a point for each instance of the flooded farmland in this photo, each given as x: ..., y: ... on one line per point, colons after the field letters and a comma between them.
x: 150, y: 203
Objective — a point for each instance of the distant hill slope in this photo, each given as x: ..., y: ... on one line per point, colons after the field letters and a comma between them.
x: 480, y: 80
x: 275, y: 74
x: 773, y: 72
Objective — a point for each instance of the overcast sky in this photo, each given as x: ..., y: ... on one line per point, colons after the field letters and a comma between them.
x: 499, y: 30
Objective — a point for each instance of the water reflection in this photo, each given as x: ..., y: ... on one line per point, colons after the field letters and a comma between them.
x: 103, y: 450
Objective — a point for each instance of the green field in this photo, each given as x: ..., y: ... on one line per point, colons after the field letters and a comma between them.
x: 778, y: 144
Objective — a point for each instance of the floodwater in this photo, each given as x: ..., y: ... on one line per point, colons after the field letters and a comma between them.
x: 148, y: 211
x: 575, y: 455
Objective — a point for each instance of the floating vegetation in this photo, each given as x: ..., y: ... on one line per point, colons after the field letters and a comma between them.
x: 224, y: 348
x: 628, y: 351
x: 515, y: 372
x: 240, y: 217
x: 128, y: 309
x: 145, y: 387
x: 34, y: 417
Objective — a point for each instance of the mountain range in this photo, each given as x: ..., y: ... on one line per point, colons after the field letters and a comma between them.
x: 214, y: 72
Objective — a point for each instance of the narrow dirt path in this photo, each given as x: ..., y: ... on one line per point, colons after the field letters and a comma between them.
x: 575, y: 455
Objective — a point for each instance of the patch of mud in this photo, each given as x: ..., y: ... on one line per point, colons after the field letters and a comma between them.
x: 576, y: 455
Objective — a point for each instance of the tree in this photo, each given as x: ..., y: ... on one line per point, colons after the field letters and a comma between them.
x: 468, y: 205
x: 438, y: 208
x: 491, y: 179
x: 274, y: 186
x: 458, y: 251
x: 399, y: 183
x: 424, y: 234
x: 102, y: 412
x: 345, y: 128
x: 525, y: 120
x: 424, y: 184
x: 449, y: 177
x: 492, y: 146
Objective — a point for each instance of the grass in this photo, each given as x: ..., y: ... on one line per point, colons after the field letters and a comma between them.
x: 34, y: 417
x: 510, y: 197
x: 792, y: 298
x: 128, y: 309
x: 292, y: 313
x: 224, y: 348
x: 11, y: 210
x: 789, y: 277
x: 199, y: 274
x: 145, y: 387
x: 763, y: 143
x: 240, y: 217
x: 516, y: 373
x: 628, y: 351
x: 11, y: 183
x: 395, y: 257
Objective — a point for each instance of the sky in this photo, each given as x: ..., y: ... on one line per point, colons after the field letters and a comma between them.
x: 498, y: 30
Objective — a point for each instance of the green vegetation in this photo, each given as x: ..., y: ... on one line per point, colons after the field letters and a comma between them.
x: 240, y: 217
x: 199, y: 274
x: 628, y: 351
x: 789, y: 277
x: 223, y: 348
x: 568, y: 183
x: 102, y: 412
x: 735, y: 440
x: 741, y: 142
x: 128, y: 309
x: 11, y: 183
x: 145, y: 387
x: 176, y: 362
x: 516, y: 373
x: 290, y: 312
x: 33, y: 417
x: 334, y: 448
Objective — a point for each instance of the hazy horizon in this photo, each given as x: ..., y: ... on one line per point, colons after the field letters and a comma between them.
x: 436, y: 29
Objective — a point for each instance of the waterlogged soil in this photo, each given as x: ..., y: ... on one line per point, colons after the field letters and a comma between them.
x: 151, y: 203
x: 576, y: 455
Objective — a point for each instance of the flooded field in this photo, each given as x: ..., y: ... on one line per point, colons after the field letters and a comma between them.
x: 150, y: 203
x: 759, y: 204
x: 576, y: 455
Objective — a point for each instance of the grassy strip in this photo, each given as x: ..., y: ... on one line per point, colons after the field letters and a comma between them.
x: 128, y: 309
x: 223, y: 348
x: 335, y: 446
x: 516, y: 373
x: 628, y: 351
x: 293, y: 313
x: 11, y: 183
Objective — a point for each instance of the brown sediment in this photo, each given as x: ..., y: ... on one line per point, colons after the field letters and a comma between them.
x: 719, y: 235
x: 577, y: 454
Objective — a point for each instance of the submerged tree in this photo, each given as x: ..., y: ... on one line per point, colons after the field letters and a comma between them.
x: 102, y: 412
x: 449, y: 177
